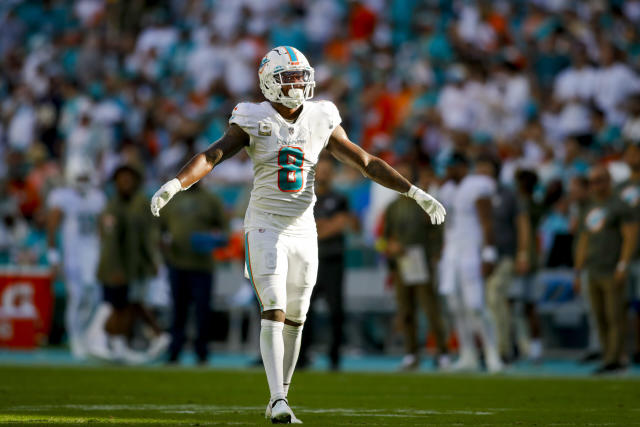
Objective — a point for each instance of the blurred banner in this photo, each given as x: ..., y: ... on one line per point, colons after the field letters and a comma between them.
x: 26, y: 306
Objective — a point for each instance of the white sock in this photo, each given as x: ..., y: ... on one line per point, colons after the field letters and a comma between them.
x: 292, y: 337
x: 486, y: 329
x: 272, y: 350
x: 466, y: 342
x: 535, y: 349
x: 96, y: 326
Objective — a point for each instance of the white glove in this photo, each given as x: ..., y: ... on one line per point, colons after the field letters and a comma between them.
x: 164, y: 194
x: 429, y: 204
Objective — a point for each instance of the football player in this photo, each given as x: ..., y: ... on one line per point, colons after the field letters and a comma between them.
x: 468, y: 258
x: 284, y: 137
x: 75, y: 208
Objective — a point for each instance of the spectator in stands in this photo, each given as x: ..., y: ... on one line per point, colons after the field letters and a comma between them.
x: 577, y: 81
x: 615, y: 82
x: 608, y: 234
x: 33, y: 249
x: 333, y: 220
x: 13, y: 228
x: 631, y: 130
x: 414, y: 246
x: 190, y: 226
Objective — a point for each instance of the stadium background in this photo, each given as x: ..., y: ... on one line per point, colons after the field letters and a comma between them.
x: 152, y: 82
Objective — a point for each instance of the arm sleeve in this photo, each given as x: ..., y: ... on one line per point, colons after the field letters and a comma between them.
x: 484, y: 187
x: 627, y: 213
x: 241, y: 116
x: 333, y: 114
x: 332, y: 117
x: 244, y: 116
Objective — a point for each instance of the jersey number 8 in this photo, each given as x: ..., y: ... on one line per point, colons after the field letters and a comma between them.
x: 290, y: 173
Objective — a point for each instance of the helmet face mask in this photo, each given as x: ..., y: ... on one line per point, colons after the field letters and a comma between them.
x: 79, y: 174
x: 286, y: 77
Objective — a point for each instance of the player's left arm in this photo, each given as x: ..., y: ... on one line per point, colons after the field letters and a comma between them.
x: 379, y: 171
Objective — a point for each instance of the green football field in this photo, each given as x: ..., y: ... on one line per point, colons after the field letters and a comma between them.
x: 182, y: 396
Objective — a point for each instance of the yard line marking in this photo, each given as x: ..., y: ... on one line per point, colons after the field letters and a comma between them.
x: 216, y: 409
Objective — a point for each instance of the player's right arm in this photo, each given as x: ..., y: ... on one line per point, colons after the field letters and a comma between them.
x: 200, y: 165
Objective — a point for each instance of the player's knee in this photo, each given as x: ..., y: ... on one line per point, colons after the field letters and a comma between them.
x: 297, y: 313
x: 273, y: 315
x: 295, y: 318
x: 293, y: 323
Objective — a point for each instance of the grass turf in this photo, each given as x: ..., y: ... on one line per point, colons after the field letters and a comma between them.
x: 175, y: 396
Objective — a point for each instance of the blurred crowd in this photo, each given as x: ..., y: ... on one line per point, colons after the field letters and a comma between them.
x: 548, y: 87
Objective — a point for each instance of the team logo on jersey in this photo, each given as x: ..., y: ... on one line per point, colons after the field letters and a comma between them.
x: 596, y: 219
x: 264, y: 128
x: 631, y: 195
x: 291, y: 130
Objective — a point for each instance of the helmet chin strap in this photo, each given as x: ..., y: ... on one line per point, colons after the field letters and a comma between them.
x: 295, y: 98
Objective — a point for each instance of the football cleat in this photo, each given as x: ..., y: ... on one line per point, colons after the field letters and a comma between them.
x: 123, y: 354
x: 280, y: 413
x: 410, y: 362
x: 159, y: 345
x: 467, y: 362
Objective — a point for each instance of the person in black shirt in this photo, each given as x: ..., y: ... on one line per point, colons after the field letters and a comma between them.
x: 332, y: 220
x: 505, y: 218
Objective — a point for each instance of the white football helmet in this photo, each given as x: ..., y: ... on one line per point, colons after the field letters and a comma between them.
x: 80, y: 173
x: 282, y: 71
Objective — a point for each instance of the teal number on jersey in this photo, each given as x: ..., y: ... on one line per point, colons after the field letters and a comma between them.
x: 290, y: 173
x: 87, y: 224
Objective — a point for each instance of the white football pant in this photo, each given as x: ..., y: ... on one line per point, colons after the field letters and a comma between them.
x: 282, y: 270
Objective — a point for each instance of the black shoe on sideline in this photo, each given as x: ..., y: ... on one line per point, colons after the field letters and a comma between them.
x: 609, y: 368
x: 590, y: 357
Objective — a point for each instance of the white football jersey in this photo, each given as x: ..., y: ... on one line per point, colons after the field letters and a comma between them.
x: 80, y: 240
x: 466, y: 232
x: 447, y: 196
x: 284, y: 156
